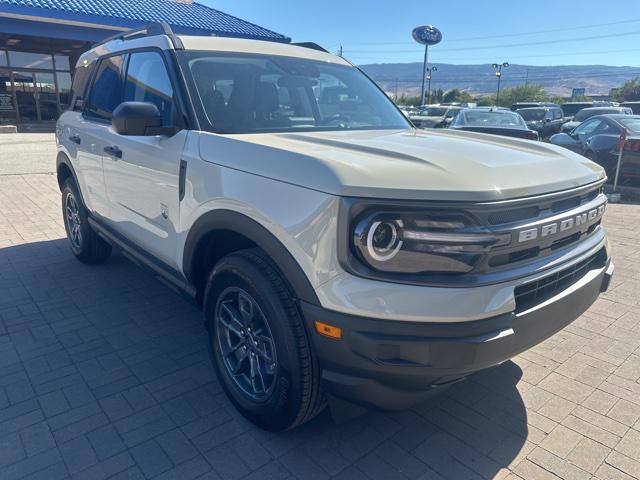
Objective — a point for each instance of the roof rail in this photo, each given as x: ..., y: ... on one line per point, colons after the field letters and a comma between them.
x: 311, y: 45
x: 159, y: 28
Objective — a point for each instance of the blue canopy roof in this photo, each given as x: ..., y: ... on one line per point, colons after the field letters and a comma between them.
x: 184, y: 16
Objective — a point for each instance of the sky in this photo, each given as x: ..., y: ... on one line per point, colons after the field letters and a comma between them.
x: 541, y: 32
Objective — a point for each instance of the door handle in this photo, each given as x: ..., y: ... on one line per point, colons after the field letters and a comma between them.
x: 113, y: 151
x: 75, y: 139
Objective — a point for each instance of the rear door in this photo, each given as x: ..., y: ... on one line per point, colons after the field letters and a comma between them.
x: 142, y: 176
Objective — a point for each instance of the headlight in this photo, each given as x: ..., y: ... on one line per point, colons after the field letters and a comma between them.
x: 420, y: 243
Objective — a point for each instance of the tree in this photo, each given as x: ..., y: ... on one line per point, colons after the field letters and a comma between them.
x: 522, y: 93
x: 456, y: 95
x: 403, y: 100
x: 630, y: 91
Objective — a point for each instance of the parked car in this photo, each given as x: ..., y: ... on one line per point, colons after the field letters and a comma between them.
x: 497, y: 121
x: 587, y: 113
x: 598, y: 139
x: 571, y: 108
x: 635, y: 106
x: 520, y: 105
x: 336, y: 251
x: 544, y: 120
x: 435, y: 116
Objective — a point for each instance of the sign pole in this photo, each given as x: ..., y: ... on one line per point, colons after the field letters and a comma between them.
x: 623, y: 141
x: 424, y: 72
x: 426, y: 35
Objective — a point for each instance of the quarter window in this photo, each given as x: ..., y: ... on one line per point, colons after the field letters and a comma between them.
x: 148, y: 81
x: 106, y: 92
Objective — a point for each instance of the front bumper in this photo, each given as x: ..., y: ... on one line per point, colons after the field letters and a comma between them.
x: 393, y: 365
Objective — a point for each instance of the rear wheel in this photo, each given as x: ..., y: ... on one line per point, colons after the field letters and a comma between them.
x: 85, y: 244
x: 258, y: 343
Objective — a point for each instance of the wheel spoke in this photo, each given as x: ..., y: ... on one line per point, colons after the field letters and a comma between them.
x: 266, y: 348
x: 245, y: 306
x: 233, y: 324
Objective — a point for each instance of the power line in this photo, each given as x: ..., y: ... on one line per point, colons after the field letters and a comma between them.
x: 567, y: 54
x: 513, y: 45
x: 507, y: 35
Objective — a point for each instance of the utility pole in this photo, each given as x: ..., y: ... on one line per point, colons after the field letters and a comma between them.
x: 340, y: 51
x: 498, y: 68
x: 526, y: 78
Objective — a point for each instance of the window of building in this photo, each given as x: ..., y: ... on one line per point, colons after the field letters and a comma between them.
x: 62, y: 62
x: 3, y: 58
x: 64, y: 89
x: 30, y: 60
x: 148, y: 81
x: 106, y: 91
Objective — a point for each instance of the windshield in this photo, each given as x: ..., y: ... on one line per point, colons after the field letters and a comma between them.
x: 582, y: 115
x: 478, y: 118
x: 251, y: 93
x: 433, y: 112
x: 529, y: 115
x: 632, y: 123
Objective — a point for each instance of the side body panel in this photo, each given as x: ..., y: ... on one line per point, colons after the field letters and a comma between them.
x: 303, y: 220
x: 142, y: 188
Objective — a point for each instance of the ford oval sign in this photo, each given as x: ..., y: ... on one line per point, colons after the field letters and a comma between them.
x: 427, y: 35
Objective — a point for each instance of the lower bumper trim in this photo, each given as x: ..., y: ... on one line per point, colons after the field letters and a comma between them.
x: 392, y: 364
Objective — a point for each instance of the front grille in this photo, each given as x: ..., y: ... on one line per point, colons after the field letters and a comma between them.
x: 534, y: 293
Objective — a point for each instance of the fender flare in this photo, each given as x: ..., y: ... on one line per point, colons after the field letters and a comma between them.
x: 263, y: 238
x: 63, y: 159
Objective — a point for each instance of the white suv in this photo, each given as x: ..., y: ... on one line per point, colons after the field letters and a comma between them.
x: 337, y: 252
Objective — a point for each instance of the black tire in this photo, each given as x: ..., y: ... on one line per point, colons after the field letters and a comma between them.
x: 86, y: 245
x: 294, y: 395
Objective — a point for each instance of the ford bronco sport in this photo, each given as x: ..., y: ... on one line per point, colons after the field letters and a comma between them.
x: 337, y: 252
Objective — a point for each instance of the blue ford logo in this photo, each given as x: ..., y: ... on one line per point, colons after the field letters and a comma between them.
x: 427, y: 35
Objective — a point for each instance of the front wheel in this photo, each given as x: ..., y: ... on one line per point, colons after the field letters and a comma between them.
x: 258, y: 343
x: 85, y: 244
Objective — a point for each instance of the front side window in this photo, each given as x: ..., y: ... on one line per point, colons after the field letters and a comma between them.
x: 106, y: 91
x: 251, y: 93
x: 147, y: 80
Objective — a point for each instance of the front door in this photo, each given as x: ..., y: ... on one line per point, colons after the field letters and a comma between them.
x: 141, y: 172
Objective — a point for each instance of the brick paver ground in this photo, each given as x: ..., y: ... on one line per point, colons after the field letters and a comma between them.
x: 104, y: 373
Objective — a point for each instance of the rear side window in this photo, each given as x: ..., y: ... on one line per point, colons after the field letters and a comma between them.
x: 148, y: 81
x: 106, y: 91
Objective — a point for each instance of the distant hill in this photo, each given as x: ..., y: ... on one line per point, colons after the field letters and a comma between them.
x: 479, y: 79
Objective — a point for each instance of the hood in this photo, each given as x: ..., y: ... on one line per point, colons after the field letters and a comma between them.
x: 405, y: 164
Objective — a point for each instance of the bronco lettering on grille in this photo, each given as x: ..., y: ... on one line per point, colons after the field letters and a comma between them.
x: 559, y: 226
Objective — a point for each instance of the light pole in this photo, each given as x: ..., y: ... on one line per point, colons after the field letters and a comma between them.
x: 498, y: 68
x: 430, y: 70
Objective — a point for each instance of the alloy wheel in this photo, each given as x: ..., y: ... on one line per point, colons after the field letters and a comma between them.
x: 246, y: 343
x: 73, y: 221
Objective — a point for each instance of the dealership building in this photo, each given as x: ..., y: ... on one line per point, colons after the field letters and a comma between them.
x: 41, y: 40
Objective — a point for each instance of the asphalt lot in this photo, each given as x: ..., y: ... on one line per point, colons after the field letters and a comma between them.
x: 104, y: 373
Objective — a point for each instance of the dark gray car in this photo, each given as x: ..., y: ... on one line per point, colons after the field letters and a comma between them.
x: 587, y: 113
x: 544, y: 120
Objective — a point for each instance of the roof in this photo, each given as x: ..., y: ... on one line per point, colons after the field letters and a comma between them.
x: 239, y: 45
x: 184, y: 16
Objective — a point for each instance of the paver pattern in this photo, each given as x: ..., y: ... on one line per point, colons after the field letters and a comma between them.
x: 104, y: 373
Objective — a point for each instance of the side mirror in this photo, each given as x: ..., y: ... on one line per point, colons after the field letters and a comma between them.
x: 547, y: 120
x: 139, y: 119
